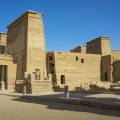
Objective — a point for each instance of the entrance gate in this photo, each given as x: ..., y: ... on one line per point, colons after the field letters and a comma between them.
x: 3, y: 77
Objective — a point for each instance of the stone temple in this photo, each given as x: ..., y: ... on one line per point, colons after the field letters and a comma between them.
x: 24, y: 60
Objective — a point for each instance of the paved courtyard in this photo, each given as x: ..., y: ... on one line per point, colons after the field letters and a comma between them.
x: 14, y: 108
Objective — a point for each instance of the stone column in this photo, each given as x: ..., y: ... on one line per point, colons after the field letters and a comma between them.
x: 66, y: 91
x: 3, y: 78
x: 111, y: 73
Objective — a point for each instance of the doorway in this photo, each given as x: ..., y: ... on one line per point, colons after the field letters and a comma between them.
x: 62, y: 79
x: 3, y: 77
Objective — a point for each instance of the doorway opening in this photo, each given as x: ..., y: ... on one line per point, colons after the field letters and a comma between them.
x: 3, y: 77
x: 106, y: 76
x: 62, y: 79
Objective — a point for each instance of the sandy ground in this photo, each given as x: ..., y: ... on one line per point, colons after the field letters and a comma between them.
x: 14, y: 108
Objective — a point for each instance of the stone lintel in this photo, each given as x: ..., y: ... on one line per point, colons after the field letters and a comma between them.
x: 6, y: 57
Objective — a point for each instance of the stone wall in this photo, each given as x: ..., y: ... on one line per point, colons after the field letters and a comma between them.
x: 11, y: 71
x: 26, y: 43
x: 106, y: 68
x: 78, y: 69
x: 115, y: 61
x: 116, y: 71
x: 99, y: 45
x: 17, y: 44
x: 3, y: 38
x: 36, y: 50
x: 79, y: 49
x: 83, y: 67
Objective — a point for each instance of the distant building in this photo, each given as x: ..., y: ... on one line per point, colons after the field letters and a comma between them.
x: 24, y: 61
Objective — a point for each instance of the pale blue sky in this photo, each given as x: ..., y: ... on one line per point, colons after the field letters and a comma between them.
x: 69, y: 23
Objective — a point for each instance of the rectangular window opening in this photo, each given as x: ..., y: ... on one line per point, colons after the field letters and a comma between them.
x: 62, y: 79
x: 82, y: 60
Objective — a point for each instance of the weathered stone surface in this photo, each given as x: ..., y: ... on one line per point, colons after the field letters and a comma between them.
x: 92, y: 66
x: 26, y: 43
x: 3, y: 39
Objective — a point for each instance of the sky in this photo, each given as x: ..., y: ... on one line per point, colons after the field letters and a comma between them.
x: 68, y: 23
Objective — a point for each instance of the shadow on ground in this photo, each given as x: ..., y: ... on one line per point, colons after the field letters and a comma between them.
x: 51, y: 103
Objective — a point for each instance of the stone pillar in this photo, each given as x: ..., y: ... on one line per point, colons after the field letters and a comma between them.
x: 24, y: 90
x: 3, y: 78
x: 3, y: 86
x: 66, y: 91
x: 50, y: 77
x: 111, y: 73
x: 32, y: 77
